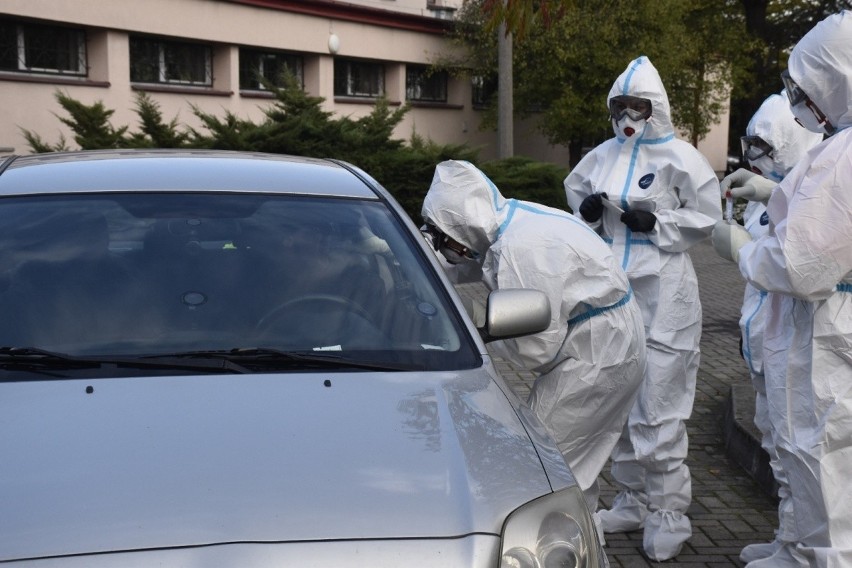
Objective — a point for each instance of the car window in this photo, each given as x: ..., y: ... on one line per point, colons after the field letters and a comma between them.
x: 146, y: 274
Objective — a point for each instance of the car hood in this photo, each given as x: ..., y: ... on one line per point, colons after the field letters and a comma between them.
x: 154, y: 462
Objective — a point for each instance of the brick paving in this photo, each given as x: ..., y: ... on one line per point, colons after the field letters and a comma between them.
x: 729, y: 509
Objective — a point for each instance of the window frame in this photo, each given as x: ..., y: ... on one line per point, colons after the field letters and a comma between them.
x: 162, y: 63
x: 293, y: 62
x: 483, y: 89
x: 358, y: 64
x: 419, y: 78
x: 55, y: 35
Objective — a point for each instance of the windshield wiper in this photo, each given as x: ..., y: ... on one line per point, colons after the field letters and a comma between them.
x: 236, y: 360
x: 32, y: 357
x: 276, y: 358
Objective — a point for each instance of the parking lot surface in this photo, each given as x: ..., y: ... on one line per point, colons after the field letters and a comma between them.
x: 730, y: 509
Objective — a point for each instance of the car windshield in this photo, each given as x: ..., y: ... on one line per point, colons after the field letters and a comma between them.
x: 141, y: 275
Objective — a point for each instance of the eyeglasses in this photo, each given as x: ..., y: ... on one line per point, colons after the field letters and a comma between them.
x: 636, y: 108
x: 440, y: 240
x: 755, y: 147
x: 794, y: 91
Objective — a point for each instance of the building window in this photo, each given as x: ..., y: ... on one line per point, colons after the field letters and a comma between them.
x: 269, y: 65
x: 161, y: 61
x: 36, y: 48
x: 483, y: 90
x: 425, y: 84
x: 358, y: 78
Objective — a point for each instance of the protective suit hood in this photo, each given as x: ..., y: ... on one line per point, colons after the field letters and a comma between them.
x: 821, y: 64
x: 641, y: 79
x: 463, y: 203
x: 775, y: 124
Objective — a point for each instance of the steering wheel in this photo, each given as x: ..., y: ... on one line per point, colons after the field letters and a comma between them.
x: 337, y: 303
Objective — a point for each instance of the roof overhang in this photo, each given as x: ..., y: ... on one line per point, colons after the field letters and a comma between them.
x: 354, y: 13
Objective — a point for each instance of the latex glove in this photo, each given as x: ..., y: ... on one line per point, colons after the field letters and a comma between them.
x: 728, y: 239
x: 592, y: 207
x: 639, y: 221
x: 748, y: 185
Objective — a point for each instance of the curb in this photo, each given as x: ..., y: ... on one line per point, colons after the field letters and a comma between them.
x: 742, y: 441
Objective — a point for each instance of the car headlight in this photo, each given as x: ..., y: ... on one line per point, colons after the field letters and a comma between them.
x: 553, y: 531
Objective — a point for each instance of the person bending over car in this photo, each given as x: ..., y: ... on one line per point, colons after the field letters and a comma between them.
x: 591, y: 359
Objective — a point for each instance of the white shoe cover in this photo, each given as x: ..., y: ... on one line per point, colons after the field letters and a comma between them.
x: 760, y: 550
x: 665, y: 533
x: 785, y: 557
x: 627, y: 514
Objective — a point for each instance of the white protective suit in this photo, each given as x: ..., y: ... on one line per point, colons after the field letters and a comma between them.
x: 591, y: 359
x: 776, y: 125
x: 654, y: 171
x: 806, y: 265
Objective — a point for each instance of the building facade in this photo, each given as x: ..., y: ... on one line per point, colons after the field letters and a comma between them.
x: 211, y: 54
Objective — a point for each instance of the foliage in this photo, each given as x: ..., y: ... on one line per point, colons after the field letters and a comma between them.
x: 90, y: 124
x: 407, y: 173
x: 772, y: 28
x: 294, y: 124
x: 525, y: 179
x: 154, y: 132
x: 39, y: 146
x: 570, y: 52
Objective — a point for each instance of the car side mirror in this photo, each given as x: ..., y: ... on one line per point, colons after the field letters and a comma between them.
x: 514, y: 313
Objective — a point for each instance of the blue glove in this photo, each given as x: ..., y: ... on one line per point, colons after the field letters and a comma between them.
x: 592, y: 207
x: 639, y: 221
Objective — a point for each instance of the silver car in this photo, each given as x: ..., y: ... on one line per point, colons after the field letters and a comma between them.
x: 244, y: 360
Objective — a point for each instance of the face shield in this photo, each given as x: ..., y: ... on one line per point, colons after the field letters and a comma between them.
x: 635, y: 108
x: 804, y: 109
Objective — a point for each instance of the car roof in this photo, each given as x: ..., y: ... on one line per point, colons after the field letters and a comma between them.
x: 179, y: 170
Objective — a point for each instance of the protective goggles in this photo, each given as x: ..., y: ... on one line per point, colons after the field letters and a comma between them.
x: 755, y: 147
x: 794, y: 91
x: 441, y: 240
x: 636, y: 108
x: 797, y: 95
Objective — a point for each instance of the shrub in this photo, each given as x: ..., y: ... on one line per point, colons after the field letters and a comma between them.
x: 295, y: 124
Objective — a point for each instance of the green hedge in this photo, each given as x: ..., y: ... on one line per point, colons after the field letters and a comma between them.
x: 295, y: 124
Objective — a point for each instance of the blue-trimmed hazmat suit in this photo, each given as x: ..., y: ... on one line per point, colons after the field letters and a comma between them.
x: 806, y: 261
x: 787, y: 142
x: 590, y: 360
x: 668, y: 193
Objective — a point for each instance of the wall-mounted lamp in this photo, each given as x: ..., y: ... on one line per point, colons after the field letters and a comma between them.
x: 333, y: 44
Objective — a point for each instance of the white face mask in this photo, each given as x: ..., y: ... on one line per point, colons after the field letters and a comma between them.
x: 807, y: 118
x: 627, y: 127
x: 766, y: 167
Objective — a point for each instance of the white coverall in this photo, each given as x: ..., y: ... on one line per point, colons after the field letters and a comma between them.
x: 590, y: 360
x: 775, y: 124
x: 652, y: 170
x: 808, y: 257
